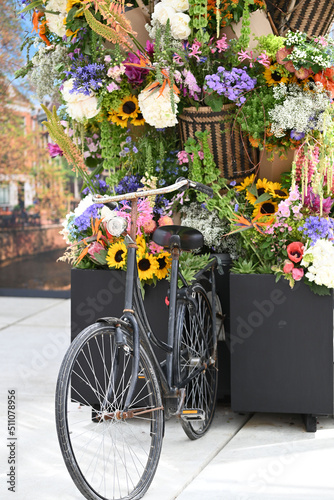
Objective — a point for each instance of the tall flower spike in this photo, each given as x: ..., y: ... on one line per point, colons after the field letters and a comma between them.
x: 70, y: 150
x: 117, y: 29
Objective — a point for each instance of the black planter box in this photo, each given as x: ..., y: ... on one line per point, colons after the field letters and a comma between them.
x: 281, y: 344
x: 96, y: 293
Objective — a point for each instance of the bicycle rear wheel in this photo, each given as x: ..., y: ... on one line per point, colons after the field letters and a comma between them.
x: 109, y: 453
x: 195, y: 352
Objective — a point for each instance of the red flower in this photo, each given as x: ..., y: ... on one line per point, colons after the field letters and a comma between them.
x: 288, y: 266
x: 295, y: 251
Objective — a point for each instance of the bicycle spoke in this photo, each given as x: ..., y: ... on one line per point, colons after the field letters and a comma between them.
x: 108, y: 451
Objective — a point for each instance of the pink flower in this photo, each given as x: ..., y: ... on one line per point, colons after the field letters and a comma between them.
x: 264, y: 60
x: 145, y: 214
x: 297, y: 274
x: 54, y: 150
x: 282, y: 54
x: 112, y: 86
x: 150, y: 226
x: 294, y: 194
x: 322, y: 41
x: 182, y: 157
x: 95, y: 248
x: 222, y: 44
x: 201, y: 155
x: 177, y: 59
x: 243, y: 55
x: 165, y: 221
x: 283, y: 209
x: 288, y: 266
x: 154, y: 248
x: 194, y: 50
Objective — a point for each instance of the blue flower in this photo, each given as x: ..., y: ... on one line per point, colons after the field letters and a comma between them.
x: 129, y: 184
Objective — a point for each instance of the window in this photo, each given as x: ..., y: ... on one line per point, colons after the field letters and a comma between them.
x: 4, y: 194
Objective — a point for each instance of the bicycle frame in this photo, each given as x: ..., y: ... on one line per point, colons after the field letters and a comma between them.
x: 138, y: 320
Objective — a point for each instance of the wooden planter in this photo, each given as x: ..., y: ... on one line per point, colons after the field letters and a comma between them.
x: 281, y: 347
x: 314, y: 17
x: 230, y: 150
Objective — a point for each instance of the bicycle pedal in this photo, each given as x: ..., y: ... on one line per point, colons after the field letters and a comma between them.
x: 193, y: 414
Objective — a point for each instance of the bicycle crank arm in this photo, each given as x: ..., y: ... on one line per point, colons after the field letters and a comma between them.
x: 123, y: 415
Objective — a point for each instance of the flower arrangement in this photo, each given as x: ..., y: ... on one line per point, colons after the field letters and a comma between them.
x: 117, y: 105
x: 283, y: 231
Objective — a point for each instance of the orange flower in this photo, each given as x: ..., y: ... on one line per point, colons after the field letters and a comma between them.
x: 254, y: 142
x: 40, y: 28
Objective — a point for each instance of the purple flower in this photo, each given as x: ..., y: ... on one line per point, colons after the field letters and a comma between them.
x: 83, y: 221
x: 134, y: 74
x: 231, y: 84
x: 54, y: 150
x: 149, y: 48
x: 317, y: 228
x: 297, y: 135
x: 312, y: 201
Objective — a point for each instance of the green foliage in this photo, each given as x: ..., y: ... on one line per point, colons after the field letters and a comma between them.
x: 111, y: 101
x: 317, y: 289
x: 269, y: 43
x: 190, y: 264
x: 244, y: 266
x: 112, y: 136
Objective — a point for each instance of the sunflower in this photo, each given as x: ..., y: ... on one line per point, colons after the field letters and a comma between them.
x: 147, y: 266
x: 277, y: 191
x: 128, y: 108
x: 262, y: 186
x: 140, y: 240
x: 164, y: 261
x: 268, y: 207
x: 138, y: 120
x: 246, y: 182
x: 116, y: 256
x: 115, y: 118
x: 275, y: 75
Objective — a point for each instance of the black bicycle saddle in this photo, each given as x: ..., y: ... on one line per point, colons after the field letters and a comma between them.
x: 190, y: 238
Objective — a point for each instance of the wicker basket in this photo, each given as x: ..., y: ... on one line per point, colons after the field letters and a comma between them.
x: 314, y: 17
x: 226, y: 144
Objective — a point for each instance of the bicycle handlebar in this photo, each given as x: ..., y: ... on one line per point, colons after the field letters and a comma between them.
x: 179, y: 184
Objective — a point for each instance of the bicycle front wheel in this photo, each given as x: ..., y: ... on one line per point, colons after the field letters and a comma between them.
x: 111, y: 452
x: 195, y: 354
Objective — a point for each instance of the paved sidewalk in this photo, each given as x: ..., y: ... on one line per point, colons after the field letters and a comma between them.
x: 243, y: 457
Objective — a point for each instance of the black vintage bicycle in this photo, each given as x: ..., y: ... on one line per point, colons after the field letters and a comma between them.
x: 113, y: 396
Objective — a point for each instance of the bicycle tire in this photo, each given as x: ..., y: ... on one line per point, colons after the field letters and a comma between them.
x: 108, y: 456
x: 194, y: 346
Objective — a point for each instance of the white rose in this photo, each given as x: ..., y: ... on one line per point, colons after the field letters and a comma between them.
x: 79, y: 106
x: 56, y: 24
x: 178, y: 5
x: 162, y: 13
x: 57, y: 5
x: 156, y: 108
x: 179, y: 24
x: 86, y: 202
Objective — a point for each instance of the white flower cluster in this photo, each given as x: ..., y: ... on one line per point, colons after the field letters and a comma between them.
x: 55, y: 22
x: 79, y: 106
x: 44, y: 72
x: 301, y: 109
x: 212, y: 227
x: 319, y: 261
x: 173, y: 10
x: 156, y: 107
